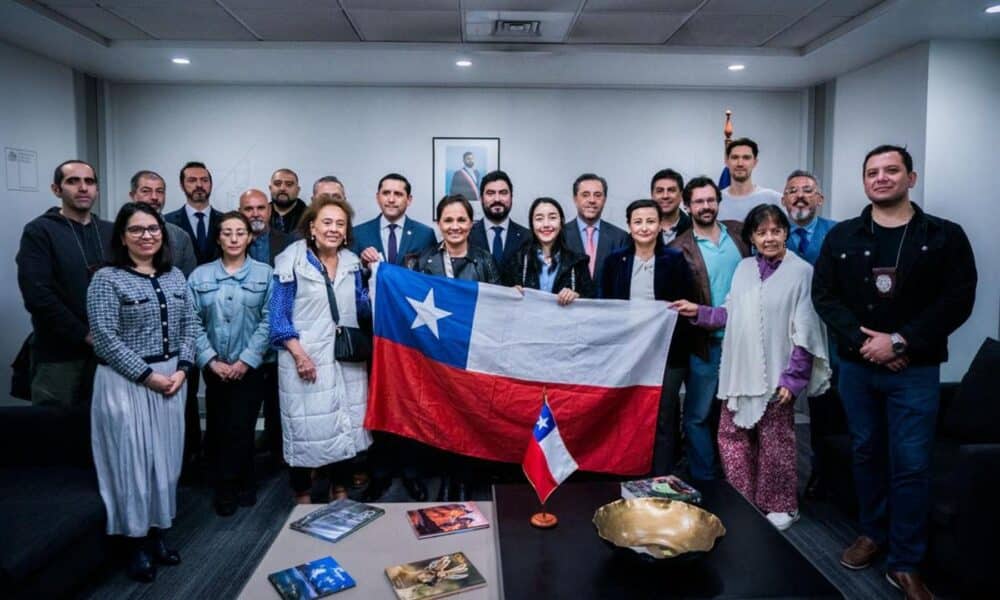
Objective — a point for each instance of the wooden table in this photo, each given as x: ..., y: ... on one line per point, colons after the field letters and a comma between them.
x: 386, y: 541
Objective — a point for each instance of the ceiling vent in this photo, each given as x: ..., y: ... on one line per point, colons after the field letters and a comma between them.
x: 520, y: 29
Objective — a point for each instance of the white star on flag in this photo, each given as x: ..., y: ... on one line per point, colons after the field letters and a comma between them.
x: 542, y: 423
x: 427, y: 313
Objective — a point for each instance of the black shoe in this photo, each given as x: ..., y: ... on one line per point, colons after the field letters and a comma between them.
x: 814, y: 487
x: 247, y: 497
x: 141, y: 567
x: 225, y: 504
x: 376, y: 488
x: 415, y: 488
x: 163, y: 555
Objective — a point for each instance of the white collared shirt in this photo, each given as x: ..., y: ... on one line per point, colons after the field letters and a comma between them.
x: 490, y: 234
x: 193, y: 220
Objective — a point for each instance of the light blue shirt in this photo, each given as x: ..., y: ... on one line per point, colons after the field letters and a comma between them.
x: 583, y: 233
x: 547, y: 274
x: 233, y: 312
x: 721, y: 261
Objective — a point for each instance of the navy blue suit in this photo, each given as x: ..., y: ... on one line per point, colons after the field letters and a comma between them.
x: 211, y: 252
x: 414, y: 239
x: 516, y: 237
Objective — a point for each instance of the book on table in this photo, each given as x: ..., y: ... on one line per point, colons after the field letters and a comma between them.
x: 666, y: 486
x: 435, y: 577
x: 445, y: 519
x: 337, y: 519
x: 316, y: 579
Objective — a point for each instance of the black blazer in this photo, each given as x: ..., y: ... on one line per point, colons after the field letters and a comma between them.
x: 517, y: 236
x: 277, y: 240
x: 573, y: 272
x: 179, y: 218
x: 671, y: 281
x: 609, y: 239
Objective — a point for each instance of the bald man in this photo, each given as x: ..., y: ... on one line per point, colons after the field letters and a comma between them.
x: 268, y: 242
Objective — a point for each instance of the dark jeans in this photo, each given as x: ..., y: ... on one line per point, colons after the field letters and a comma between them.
x: 891, y: 418
x: 272, y: 411
x: 231, y: 422
x: 666, y: 445
x: 700, y: 428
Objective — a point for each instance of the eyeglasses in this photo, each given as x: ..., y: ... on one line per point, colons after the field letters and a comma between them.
x: 806, y: 190
x: 137, y: 231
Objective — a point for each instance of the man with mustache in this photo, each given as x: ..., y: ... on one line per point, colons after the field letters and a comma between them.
x: 268, y: 242
x: 197, y: 217
x: 713, y: 249
x: 496, y: 232
x: 892, y: 284
x: 147, y: 187
x: 588, y: 233
x: 59, y: 252
x: 286, y: 206
x: 742, y: 193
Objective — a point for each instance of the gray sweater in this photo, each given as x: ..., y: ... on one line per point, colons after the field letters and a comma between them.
x: 140, y: 319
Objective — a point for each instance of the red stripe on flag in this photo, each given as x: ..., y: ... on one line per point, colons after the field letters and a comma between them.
x: 607, y: 430
x: 536, y: 469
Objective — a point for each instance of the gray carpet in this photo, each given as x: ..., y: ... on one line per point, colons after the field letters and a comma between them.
x: 220, y: 554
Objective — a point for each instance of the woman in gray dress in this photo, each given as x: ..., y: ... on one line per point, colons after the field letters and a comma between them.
x: 143, y: 324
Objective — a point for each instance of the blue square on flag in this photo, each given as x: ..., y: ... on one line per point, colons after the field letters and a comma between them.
x: 427, y: 313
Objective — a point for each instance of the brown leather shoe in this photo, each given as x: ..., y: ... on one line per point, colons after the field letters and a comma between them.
x: 859, y: 554
x: 911, y: 584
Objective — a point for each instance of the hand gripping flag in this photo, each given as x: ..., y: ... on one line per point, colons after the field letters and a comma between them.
x: 461, y: 365
x: 547, y: 462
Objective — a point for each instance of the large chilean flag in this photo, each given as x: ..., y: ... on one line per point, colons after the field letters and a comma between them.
x: 462, y: 366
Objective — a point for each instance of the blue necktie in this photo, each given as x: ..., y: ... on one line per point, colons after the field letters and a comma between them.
x: 803, y: 242
x: 392, y: 250
x: 497, y: 244
x: 201, y: 235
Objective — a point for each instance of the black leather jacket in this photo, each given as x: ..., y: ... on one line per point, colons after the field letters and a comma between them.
x: 479, y: 264
x: 573, y: 271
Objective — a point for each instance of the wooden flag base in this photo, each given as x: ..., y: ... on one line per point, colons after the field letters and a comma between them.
x: 544, y: 520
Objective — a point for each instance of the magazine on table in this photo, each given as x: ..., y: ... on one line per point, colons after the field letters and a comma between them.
x: 666, y: 486
x: 337, y: 519
x: 316, y: 579
x: 445, y: 519
x: 434, y: 577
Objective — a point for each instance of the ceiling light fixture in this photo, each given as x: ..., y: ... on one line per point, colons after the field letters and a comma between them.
x: 181, y: 61
x: 993, y: 10
x: 736, y: 67
x: 463, y: 63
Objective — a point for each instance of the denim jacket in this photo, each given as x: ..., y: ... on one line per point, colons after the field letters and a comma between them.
x: 233, y: 313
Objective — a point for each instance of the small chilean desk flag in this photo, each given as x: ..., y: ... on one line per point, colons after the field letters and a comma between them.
x: 547, y: 462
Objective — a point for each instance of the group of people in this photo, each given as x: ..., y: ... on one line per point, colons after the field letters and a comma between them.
x: 253, y: 299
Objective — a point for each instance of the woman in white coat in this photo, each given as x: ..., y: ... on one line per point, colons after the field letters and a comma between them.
x: 322, y: 400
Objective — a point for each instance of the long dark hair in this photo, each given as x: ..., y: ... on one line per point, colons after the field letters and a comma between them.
x: 162, y: 260
x: 558, y: 244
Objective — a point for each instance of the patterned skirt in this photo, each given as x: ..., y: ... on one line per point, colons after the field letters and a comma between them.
x: 137, y: 436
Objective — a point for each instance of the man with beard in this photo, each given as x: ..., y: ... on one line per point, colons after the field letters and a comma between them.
x: 267, y: 241
x: 147, y: 187
x: 892, y: 285
x: 742, y: 193
x: 391, y: 235
x: 59, y: 252
x: 286, y: 207
x: 495, y: 232
x: 665, y: 189
x: 201, y: 223
x: 802, y: 201
x: 465, y: 181
x: 712, y: 249
x: 588, y: 233
x: 197, y: 218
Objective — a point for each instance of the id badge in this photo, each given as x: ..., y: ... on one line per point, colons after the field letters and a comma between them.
x: 885, y: 281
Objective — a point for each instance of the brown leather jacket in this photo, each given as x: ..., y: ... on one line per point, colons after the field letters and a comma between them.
x: 686, y: 243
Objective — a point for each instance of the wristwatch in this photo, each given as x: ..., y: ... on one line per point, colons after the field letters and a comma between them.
x: 898, y: 344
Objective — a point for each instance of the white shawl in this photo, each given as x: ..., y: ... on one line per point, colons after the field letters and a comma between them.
x: 766, y: 319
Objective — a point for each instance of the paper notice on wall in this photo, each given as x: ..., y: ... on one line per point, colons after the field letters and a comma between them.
x: 22, y: 169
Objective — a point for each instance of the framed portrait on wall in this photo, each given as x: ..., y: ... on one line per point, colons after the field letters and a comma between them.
x: 459, y: 165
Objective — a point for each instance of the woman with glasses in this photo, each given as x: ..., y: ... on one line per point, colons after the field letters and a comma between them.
x: 546, y: 263
x: 231, y: 296
x: 143, y: 322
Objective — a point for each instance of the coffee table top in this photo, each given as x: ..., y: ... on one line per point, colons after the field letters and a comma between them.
x: 753, y: 560
x: 386, y: 541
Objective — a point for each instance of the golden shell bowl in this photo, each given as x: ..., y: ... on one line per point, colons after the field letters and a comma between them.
x: 658, y: 527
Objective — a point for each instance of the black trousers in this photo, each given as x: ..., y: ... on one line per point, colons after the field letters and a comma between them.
x: 338, y: 473
x: 667, y: 443
x: 272, y: 410
x: 390, y: 454
x: 192, y: 420
x: 232, y: 408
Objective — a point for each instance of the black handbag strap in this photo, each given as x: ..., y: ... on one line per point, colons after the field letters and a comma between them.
x: 331, y: 299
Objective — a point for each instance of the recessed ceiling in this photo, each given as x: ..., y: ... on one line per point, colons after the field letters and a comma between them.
x: 553, y: 43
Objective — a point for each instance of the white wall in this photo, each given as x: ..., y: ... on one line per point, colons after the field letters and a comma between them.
x: 882, y: 103
x: 36, y: 113
x: 548, y: 137
x: 962, y: 93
